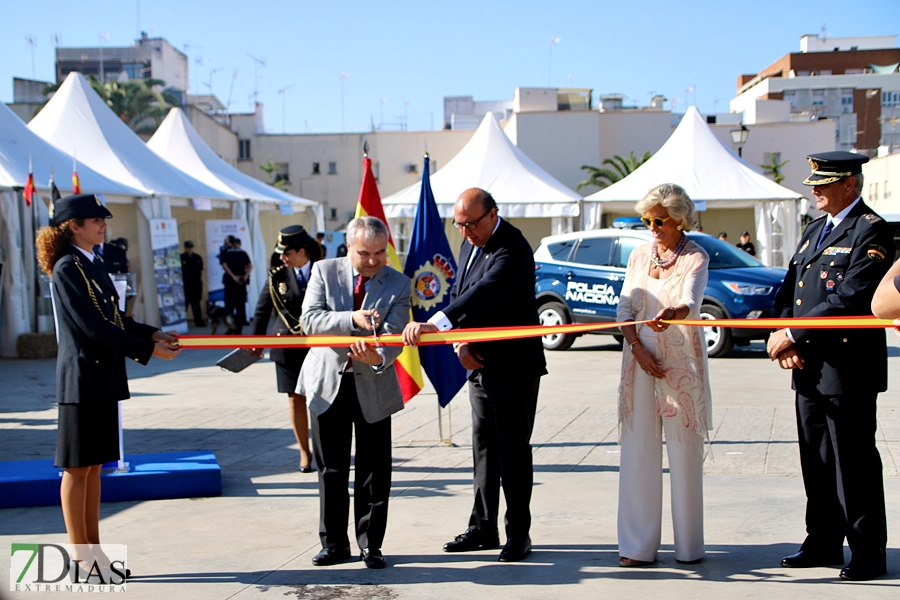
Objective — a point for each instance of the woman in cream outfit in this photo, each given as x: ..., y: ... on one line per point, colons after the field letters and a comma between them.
x: 665, y: 383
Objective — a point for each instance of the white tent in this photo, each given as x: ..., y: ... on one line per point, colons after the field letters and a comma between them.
x: 178, y: 143
x: 77, y: 121
x: 492, y: 162
x: 19, y: 146
x: 715, y: 178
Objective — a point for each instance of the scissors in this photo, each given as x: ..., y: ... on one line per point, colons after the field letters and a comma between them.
x: 374, y: 330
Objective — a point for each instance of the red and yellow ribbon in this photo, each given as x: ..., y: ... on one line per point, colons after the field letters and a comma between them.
x: 494, y: 334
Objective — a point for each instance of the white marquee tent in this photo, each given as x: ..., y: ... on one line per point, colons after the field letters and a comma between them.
x: 715, y: 178
x: 19, y: 146
x: 492, y: 162
x: 178, y: 143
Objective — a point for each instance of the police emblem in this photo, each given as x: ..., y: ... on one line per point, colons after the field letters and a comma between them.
x: 431, y: 282
x: 282, y: 288
x: 840, y: 276
x: 804, y: 246
x: 876, y: 252
x: 829, y: 285
x: 97, y: 200
x: 823, y: 274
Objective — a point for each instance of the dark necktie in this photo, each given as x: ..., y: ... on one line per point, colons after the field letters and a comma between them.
x: 359, y: 292
x: 829, y: 226
x: 301, y: 280
x: 98, y: 262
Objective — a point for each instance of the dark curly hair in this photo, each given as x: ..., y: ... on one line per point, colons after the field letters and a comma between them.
x: 53, y: 242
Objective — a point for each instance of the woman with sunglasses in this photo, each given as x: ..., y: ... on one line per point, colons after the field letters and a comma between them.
x: 665, y: 383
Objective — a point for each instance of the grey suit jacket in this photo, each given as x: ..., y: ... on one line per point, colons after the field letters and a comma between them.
x: 328, y: 309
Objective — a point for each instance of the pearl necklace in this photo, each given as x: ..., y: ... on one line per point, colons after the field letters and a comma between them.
x: 669, y: 260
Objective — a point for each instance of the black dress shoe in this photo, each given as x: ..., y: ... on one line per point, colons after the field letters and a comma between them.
x: 330, y: 556
x: 306, y: 469
x: 473, y: 539
x: 373, y: 558
x: 864, y: 570
x: 805, y: 560
x: 515, y: 550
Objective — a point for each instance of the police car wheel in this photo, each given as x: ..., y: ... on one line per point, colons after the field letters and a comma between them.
x: 718, y: 339
x: 554, y: 313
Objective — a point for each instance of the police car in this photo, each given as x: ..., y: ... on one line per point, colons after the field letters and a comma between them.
x: 579, y: 277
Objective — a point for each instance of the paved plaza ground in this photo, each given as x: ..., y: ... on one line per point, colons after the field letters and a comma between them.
x: 257, y: 539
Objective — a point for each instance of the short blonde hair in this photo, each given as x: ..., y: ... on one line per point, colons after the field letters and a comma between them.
x: 675, y: 200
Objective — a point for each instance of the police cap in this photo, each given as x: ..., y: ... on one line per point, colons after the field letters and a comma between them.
x: 81, y: 206
x: 292, y: 237
x: 828, y: 167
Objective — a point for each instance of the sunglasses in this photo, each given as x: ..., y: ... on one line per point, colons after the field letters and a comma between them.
x: 471, y: 225
x: 658, y: 221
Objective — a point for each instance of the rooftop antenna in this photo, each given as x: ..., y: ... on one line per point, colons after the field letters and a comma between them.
x: 104, y: 36
x: 231, y: 91
x: 283, y: 96
x: 32, y: 41
x: 344, y: 76
x: 257, y: 62
x: 553, y: 41
x: 57, y: 40
x: 210, y: 84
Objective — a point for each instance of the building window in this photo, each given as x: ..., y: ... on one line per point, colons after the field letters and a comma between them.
x: 334, y: 214
x: 332, y: 168
x: 243, y: 149
x: 281, y: 174
x: 376, y: 170
x: 316, y: 169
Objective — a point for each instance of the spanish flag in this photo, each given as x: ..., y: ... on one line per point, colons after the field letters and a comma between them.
x: 29, y: 188
x: 409, y: 369
x: 76, y: 185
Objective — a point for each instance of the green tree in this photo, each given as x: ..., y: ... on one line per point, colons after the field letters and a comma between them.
x: 275, y: 180
x: 137, y: 102
x: 621, y: 168
x: 773, y: 168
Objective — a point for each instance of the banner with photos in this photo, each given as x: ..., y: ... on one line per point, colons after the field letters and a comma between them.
x: 167, y: 271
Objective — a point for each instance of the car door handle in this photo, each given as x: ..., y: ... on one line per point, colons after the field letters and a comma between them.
x: 569, y: 274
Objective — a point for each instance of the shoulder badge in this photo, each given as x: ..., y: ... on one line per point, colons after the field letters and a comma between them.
x: 282, y: 288
x: 804, y: 246
x: 876, y: 252
x: 431, y: 282
x: 871, y: 217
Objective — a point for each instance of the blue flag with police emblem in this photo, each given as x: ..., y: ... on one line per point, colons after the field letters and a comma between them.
x: 432, y: 268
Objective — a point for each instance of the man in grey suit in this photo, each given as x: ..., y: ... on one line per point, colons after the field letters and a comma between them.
x: 357, y: 296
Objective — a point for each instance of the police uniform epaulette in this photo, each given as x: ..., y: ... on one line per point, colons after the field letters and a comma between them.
x: 819, y: 218
x: 274, y: 270
x: 872, y: 218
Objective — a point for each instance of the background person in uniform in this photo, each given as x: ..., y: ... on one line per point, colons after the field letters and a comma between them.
x: 357, y: 296
x: 284, y: 292
x: 238, y: 267
x: 723, y: 235
x: 496, y: 289
x: 745, y: 244
x: 665, y: 383
x: 192, y: 275
x: 94, y: 339
x: 320, y: 238
x: 837, y: 373
x: 886, y: 301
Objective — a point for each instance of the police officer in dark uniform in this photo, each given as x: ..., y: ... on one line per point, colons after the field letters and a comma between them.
x: 838, y: 373
x: 94, y: 339
x: 192, y: 275
x: 237, y: 266
x: 284, y: 292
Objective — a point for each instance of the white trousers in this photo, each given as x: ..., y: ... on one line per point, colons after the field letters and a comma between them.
x: 640, y: 478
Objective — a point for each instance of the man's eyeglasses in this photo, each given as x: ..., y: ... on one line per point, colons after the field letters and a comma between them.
x: 658, y: 221
x: 471, y: 225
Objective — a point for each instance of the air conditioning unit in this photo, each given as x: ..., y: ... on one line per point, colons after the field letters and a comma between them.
x: 412, y: 168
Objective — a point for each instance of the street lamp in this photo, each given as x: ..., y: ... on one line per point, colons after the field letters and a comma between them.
x: 739, y: 137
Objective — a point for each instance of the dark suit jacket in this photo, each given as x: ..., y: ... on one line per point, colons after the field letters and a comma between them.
x: 839, y: 280
x: 94, y: 337
x: 114, y: 259
x: 282, y: 293
x: 498, y: 291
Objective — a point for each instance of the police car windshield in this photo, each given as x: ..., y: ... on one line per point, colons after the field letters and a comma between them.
x: 723, y: 255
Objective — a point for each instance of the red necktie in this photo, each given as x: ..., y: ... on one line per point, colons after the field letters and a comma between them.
x: 359, y: 292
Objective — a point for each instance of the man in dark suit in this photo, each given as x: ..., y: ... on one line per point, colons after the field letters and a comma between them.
x: 237, y: 266
x: 837, y: 373
x: 357, y: 295
x: 496, y: 289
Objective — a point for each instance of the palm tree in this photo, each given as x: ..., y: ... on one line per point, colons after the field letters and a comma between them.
x: 138, y: 102
x: 623, y: 167
x: 774, y: 167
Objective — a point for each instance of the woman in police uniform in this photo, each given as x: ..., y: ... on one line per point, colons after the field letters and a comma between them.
x: 284, y: 293
x: 94, y: 339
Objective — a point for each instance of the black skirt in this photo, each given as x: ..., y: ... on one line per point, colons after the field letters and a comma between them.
x: 287, y: 372
x: 88, y: 434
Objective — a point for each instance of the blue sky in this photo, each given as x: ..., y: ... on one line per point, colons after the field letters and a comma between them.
x: 412, y: 54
